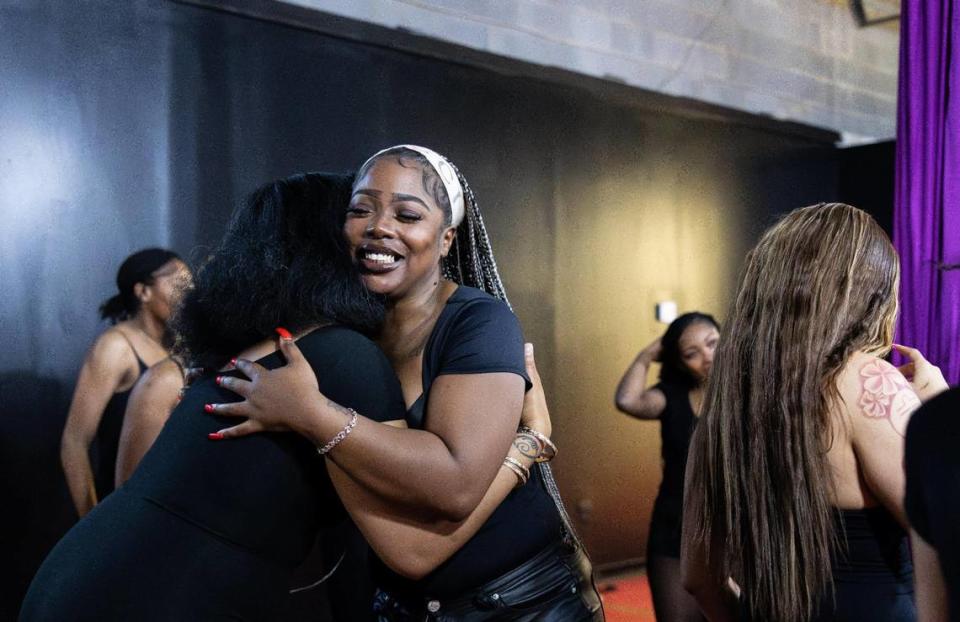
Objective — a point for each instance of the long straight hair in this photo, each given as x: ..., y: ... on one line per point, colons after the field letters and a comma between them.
x: 820, y: 285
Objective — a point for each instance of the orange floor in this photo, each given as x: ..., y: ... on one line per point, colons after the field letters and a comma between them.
x: 626, y: 598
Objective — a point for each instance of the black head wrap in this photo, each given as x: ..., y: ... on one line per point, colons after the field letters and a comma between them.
x: 137, y: 268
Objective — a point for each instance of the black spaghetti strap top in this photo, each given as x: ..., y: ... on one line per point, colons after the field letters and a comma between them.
x: 108, y: 433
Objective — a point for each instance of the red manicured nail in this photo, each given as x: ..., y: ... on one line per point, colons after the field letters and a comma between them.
x: 233, y: 361
x: 284, y: 333
x: 219, y: 380
x: 208, y: 408
x: 215, y: 436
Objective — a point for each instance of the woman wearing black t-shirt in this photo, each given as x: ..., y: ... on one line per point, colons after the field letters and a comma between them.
x: 686, y: 353
x: 458, y: 351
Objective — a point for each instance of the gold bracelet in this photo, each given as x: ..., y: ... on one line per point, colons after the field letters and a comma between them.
x: 549, y: 449
x: 522, y: 472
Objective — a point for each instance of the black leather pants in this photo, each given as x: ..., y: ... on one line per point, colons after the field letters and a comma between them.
x: 554, y: 586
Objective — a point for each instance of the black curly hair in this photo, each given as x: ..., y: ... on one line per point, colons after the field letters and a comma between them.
x: 282, y: 262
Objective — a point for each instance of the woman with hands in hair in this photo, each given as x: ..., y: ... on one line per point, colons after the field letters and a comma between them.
x: 686, y: 353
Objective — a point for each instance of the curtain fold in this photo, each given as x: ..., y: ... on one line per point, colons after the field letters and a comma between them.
x: 926, y: 230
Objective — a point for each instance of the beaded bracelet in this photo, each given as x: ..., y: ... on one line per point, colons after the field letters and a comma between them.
x: 522, y: 472
x: 549, y: 449
x: 342, y: 434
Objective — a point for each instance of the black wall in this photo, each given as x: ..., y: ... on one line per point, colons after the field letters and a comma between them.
x: 142, y: 123
x: 866, y: 176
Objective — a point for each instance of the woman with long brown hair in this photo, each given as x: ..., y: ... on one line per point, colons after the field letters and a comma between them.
x: 794, y: 478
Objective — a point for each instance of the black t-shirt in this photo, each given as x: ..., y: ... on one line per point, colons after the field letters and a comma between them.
x: 478, y: 334
x: 269, y: 492
x: 932, y: 464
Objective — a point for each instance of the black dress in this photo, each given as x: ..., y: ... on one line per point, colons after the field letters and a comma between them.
x: 212, y: 530
x: 519, y: 565
x: 108, y: 434
x: 872, y: 572
x: 677, y: 423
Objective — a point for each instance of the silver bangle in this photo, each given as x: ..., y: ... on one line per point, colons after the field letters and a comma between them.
x: 522, y: 472
x: 342, y: 434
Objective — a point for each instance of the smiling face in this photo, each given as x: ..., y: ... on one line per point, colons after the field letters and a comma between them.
x: 697, y: 345
x: 396, y: 230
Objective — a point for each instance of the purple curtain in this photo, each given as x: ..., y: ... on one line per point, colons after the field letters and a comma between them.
x: 926, y: 228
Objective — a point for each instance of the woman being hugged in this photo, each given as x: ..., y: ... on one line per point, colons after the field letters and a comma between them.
x: 794, y: 479
x: 686, y: 352
x: 414, y: 229
x: 205, y: 531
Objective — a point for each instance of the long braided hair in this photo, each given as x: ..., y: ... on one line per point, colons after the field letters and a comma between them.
x: 470, y: 262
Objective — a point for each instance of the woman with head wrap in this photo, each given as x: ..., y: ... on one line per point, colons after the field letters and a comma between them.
x: 415, y: 231
x: 148, y: 283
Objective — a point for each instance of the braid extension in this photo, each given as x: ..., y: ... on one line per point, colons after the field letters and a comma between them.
x: 481, y: 272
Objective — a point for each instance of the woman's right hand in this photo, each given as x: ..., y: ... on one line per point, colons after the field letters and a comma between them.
x: 275, y: 400
x: 924, y: 377
x: 535, y: 414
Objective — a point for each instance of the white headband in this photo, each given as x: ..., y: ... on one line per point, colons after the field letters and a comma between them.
x: 446, y: 173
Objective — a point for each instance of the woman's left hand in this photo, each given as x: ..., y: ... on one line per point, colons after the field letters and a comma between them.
x: 535, y: 414
x: 924, y: 377
x: 283, y: 399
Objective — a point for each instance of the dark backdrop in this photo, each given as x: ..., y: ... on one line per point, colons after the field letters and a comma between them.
x: 142, y: 123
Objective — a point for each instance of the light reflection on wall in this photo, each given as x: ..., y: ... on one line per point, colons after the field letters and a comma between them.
x: 83, y: 176
x: 650, y: 230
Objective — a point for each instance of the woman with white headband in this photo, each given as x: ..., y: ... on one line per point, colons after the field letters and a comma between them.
x: 415, y: 231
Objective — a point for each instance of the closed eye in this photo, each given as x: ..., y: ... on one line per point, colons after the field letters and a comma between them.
x: 408, y: 216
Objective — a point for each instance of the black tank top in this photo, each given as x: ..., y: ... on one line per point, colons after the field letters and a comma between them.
x: 872, y: 571
x: 108, y: 433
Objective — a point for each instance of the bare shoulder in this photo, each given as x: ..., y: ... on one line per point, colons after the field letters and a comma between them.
x: 111, y: 348
x: 876, y: 394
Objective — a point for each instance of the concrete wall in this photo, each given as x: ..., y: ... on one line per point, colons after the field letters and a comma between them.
x: 798, y: 60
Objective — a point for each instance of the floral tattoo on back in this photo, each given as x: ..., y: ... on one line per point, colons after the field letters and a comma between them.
x: 886, y: 394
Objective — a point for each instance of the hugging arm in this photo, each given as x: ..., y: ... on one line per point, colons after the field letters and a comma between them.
x: 412, y: 546
x: 440, y: 472
x: 152, y: 400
